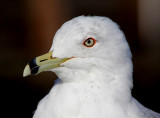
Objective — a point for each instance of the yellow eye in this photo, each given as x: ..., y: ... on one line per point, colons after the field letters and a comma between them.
x: 90, y: 42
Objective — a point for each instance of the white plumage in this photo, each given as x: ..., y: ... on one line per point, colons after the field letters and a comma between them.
x: 97, y: 82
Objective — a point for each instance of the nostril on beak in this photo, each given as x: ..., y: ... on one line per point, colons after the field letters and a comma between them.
x: 43, y: 60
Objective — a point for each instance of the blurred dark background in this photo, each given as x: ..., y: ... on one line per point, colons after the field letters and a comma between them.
x: 26, y: 31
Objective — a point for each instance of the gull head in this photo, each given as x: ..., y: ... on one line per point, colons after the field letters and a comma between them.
x: 85, y: 46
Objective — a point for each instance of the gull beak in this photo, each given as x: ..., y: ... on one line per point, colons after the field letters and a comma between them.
x: 43, y: 63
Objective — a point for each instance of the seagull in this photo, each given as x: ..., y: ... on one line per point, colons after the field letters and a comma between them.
x: 93, y: 62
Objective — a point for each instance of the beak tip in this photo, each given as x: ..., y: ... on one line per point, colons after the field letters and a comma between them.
x: 27, y: 71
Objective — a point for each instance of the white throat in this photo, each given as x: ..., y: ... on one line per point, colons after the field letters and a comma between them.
x: 112, y: 81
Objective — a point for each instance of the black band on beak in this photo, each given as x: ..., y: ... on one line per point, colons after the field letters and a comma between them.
x: 33, y: 66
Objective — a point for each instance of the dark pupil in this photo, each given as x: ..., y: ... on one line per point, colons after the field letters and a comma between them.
x: 88, y: 41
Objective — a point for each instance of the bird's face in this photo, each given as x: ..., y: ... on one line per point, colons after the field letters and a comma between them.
x: 84, y: 43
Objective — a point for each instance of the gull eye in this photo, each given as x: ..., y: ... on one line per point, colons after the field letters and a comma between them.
x: 89, y: 42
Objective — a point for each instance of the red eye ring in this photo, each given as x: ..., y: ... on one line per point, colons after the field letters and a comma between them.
x: 89, y: 42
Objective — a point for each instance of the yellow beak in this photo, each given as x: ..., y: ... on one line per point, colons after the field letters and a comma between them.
x: 43, y: 63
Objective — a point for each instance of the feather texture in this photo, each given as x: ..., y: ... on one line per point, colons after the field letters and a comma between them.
x: 96, y: 83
